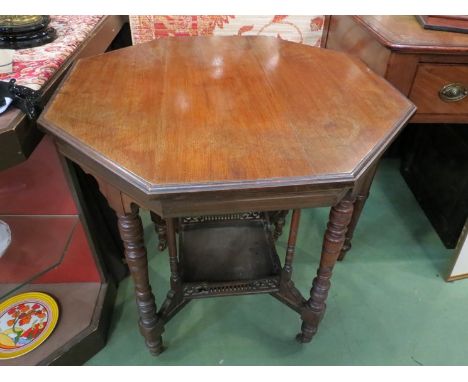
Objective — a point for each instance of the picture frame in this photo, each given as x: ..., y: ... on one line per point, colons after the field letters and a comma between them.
x: 459, y: 265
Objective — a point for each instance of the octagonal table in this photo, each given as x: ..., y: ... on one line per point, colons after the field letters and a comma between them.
x: 219, y: 137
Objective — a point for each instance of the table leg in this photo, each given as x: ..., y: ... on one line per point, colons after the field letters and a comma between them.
x: 161, y: 230
x: 312, y: 312
x: 361, y: 197
x: 131, y: 232
x: 288, y: 294
x: 296, y: 215
x: 175, y: 298
x: 279, y: 220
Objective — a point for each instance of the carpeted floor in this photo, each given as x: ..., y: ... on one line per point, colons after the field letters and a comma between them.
x: 388, y: 305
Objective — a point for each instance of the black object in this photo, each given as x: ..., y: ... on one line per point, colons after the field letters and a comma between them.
x: 435, y: 168
x: 24, y: 98
x: 102, y: 223
x: 20, y: 32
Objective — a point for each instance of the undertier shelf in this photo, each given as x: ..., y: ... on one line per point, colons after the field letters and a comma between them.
x: 228, y: 258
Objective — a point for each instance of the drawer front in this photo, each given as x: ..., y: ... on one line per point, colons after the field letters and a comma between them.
x: 431, y: 79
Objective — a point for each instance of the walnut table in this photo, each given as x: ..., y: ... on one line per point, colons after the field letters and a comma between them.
x: 219, y: 137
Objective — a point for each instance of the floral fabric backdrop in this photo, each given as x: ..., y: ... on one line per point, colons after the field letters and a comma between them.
x: 33, y: 67
x: 301, y: 29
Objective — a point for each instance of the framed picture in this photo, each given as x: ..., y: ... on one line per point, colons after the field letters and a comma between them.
x: 459, y: 266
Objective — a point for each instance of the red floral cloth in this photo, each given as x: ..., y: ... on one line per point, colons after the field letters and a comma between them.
x: 302, y: 29
x: 33, y: 67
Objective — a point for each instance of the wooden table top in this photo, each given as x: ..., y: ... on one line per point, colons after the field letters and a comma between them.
x: 217, y: 113
x: 405, y: 33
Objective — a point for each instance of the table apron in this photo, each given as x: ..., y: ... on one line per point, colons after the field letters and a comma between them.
x: 264, y: 201
x: 220, y: 202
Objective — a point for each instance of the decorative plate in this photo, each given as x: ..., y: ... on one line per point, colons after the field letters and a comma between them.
x: 26, y: 320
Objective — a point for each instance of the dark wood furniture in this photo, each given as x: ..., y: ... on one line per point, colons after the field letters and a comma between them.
x: 218, y: 137
x: 436, y: 170
x: 444, y: 23
x: 420, y: 63
x: 55, y: 250
x: 57, y: 247
x: 19, y: 136
x: 430, y: 68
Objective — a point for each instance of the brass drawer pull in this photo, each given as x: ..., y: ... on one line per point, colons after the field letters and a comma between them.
x: 453, y: 92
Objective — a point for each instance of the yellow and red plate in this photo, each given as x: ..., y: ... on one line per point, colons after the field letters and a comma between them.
x: 26, y: 320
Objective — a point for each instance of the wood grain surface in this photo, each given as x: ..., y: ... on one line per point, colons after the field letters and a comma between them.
x: 230, y: 111
x: 405, y: 33
x: 430, y: 79
x: 346, y: 35
x: 416, y: 61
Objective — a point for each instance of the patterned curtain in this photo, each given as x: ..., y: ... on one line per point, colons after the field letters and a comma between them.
x: 301, y: 29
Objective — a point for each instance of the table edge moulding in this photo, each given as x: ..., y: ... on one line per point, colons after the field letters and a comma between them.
x: 427, y: 41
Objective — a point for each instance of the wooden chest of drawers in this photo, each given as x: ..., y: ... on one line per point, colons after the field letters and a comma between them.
x: 430, y: 67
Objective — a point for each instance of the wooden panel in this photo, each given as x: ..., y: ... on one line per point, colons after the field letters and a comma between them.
x: 401, y: 71
x: 18, y: 138
x: 78, y: 304
x: 406, y: 34
x: 207, y: 112
x: 439, y: 118
x: 345, y: 35
x: 261, y: 201
x: 18, y: 135
x: 444, y: 59
x: 430, y: 78
x: 326, y: 28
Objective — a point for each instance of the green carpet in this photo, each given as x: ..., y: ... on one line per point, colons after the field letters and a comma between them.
x: 388, y: 304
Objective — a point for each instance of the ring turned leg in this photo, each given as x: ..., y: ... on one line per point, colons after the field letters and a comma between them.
x: 312, y: 313
x: 131, y: 232
x: 359, y: 204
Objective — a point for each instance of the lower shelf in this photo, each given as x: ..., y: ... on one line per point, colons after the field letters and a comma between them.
x: 228, y: 258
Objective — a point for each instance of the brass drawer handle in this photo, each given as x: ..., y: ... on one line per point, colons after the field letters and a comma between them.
x: 453, y: 92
